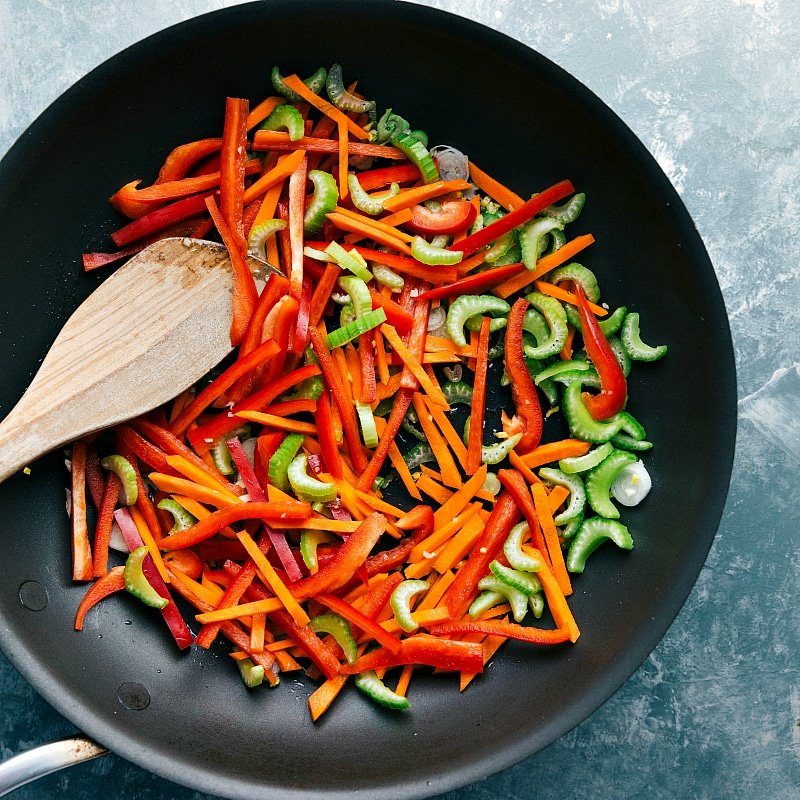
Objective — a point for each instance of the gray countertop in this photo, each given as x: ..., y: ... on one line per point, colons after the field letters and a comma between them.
x: 712, y: 88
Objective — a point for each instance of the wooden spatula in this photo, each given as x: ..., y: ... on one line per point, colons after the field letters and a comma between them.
x: 151, y: 330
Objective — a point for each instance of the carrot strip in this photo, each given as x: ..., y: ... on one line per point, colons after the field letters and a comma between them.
x: 567, y: 297
x: 283, y: 169
x: 371, y: 231
x: 459, y: 546
x: 269, y: 204
x: 414, y: 366
x: 556, y: 497
x: 566, y: 350
x: 277, y: 141
x: 263, y: 110
x: 555, y: 451
x: 149, y: 541
x: 448, y: 431
x: 450, y: 474
x: 454, y: 505
x: 320, y: 700
x: 279, y: 423
x: 556, y: 601
x: 267, y: 606
x: 475, y: 446
x: 428, y: 546
x: 193, y: 473
x: 543, y: 265
x: 496, y: 190
x: 344, y: 157
x: 380, y: 225
x: 519, y: 464
x: 551, y: 537
x: 82, y: 567
x: 419, y: 194
x: 213, y: 497
x: 294, y: 83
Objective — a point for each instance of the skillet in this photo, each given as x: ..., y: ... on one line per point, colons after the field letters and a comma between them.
x: 186, y: 716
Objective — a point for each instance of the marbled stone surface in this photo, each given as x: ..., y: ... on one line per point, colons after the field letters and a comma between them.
x: 712, y: 88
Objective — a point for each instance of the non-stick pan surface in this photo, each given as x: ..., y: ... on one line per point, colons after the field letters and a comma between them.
x: 187, y: 716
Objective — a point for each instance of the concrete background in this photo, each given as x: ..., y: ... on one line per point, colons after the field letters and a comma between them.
x: 712, y: 88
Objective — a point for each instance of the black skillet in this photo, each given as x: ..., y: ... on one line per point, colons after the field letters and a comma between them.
x: 531, y: 124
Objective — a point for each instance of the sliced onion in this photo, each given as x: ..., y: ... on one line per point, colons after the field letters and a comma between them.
x: 632, y: 485
x: 452, y: 163
x: 436, y: 319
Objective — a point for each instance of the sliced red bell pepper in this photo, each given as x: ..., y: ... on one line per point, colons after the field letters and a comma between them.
x: 474, y: 284
x: 396, y: 315
x: 143, y: 502
x: 494, y: 230
x: 508, y: 630
x: 420, y: 518
x: 366, y: 357
x: 255, y: 358
x: 326, y: 433
x: 445, y: 654
x: 160, y: 218
x: 517, y: 487
x: 279, y: 326
x: 102, y: 530
x: 613, y: 386
x: 402, y: 400
x: 185, y: 157
x: 478, y: 404
x: 153, y: 456
x: 410, y: 266
x: 346, y: 409
x: 95, y: 480
x: 245, y: 294
x: 322, y: 292
x: 415, y: 341
x: 297, y: 210
x: 378, y: 178
x: 376, y: 599
x: 232, y: 160
x: 344, y: 565
x: 454, y: 216
x: 461, y: 591
x: 360, y: 620
x: 308, y: 641
x: 299, y: 340
x: 523, y: 390
x: 217, y: 520
x: 112, y: 581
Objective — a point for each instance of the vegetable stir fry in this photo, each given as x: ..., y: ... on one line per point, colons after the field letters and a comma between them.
x: 340, y: 496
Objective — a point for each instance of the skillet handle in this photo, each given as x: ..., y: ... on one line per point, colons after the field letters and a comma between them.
x: 47, y: 758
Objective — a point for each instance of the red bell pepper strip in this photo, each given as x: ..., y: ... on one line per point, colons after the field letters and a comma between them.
x: 376, y: 599
x: 344, y: 565
x: 299, y: 340
x: 129, y: 198
x: 231, y: 596
x: 143, y: 502
x: 279, y: 326
x: 421, y: 519
x: 245, y: 294
x: 160, y: 218
x: 308, y: 641
x: 172, y: 445
x: 474, y: 284
x: 461, y: 591
x: 367, y: 360
x: 508, y: 630
x: 445, y: 654
x: 297, y: 210
x: 220, y: 384
x: 396, y: 315
x: 153, y: 456
x: 494, y: 230
x: 478, y: 404
x: 357, y: 618
x: 263, y: 397
x: 346, y: 409
x: 95, y: 480
x: 326, y: 433
x: 279, y: 141
x: 415, y: 342
x: 232, y: 160
x: 322, y: 293
x: 102, y: 531
x: 523, y: 390
x: 172, y: 616
x: 516, y: 486
x: 410, y: 266
x: 378, y: 178
x: 112, y: 581
x: 454, y: 216
x: 402, y: 400
x: 180, y: 162
x: 613, y: 386
x: 217, y: 520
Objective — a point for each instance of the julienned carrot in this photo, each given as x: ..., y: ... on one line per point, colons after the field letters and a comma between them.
x: 280, y: 423
x: 556, y: 601
x: 197, y: 491
x: 260, y: 112
x: 459, y: 500
x: 556, y: 496
x: 419, y: 194
x: 567, y: 297
x: 387, y: 447
x: 543, y: 265
x: 380, y: 225
x: 245, y: 294
x: 448, y: 431
x: 496, y: 190
x: 551, y: 537
x: 189, y: 470
x: 269, y: 203
x: 519, y: 464
x: 414, y: 366
x: 460, y: 545
x: 555, y: 451
x: 295, y: 84
x: 437, y: 443
x: 282, y: 170
x: 409, y: 266
x: 427, y: 547
x: 475, y: 445
x: 344, y: 157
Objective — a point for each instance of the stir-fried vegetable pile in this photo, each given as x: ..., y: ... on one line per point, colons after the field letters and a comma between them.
x: 281, y: 499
